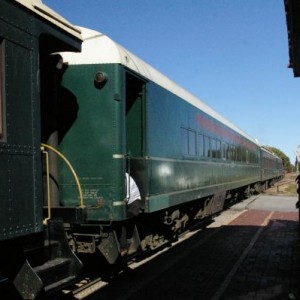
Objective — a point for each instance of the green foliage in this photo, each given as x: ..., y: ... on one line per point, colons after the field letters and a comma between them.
x: 288, y: 167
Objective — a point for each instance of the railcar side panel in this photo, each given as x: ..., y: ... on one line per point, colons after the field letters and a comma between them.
x: 178, y: 171
x: 22, y: 49
x: 94, y: 143
x: 20, y: 205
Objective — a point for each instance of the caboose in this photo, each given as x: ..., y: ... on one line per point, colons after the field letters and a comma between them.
x: 29, y: 33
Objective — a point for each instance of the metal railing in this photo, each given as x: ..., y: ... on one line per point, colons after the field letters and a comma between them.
x: 48, y: 147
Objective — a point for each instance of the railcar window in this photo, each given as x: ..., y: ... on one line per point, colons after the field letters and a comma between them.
x: 1, y: 90
x: 201, y: 148
x: 238, y: 153
x: 218, y: 152
x: 225, y: 152
x: 213, y: 146
x: 184, y: 141
x: 233, y: 152
x: 192, y: 142
x: 188, y: 142
x: 230, y: 153
x: 253, y: 157
x: 207, y: 146
x: 244, y: 156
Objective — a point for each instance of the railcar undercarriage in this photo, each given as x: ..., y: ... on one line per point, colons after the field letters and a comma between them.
x: 152, y: 231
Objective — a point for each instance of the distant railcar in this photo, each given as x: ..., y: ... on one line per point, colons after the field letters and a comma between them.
x: 124, y: 116
x: 271, y: 167
x: 29, y: 33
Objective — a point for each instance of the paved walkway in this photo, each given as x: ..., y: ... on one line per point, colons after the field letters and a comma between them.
x: 255, y: 256
x: 269, y: 267
x: 251, y: 251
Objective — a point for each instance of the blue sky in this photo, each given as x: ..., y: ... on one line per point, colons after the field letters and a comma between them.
x: 233, y: 55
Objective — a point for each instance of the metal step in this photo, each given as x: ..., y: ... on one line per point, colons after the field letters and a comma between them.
x: 53, y: 270
x: 58, y: 285
x: 50, y: 267
x: 38, y: 254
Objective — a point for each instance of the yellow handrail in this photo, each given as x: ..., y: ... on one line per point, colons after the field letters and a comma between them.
x: 45, y: 221
x: 71, y: 169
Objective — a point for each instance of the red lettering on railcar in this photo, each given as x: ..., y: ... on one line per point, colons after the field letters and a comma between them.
x: 215, y: 128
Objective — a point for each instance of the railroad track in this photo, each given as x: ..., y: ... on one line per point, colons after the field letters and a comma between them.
x: 284, y: 184
x: 89, y: 285
x: 285, y: 181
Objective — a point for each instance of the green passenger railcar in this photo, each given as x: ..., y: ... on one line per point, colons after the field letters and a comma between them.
x: 271, y: 167
x: 130, y: 118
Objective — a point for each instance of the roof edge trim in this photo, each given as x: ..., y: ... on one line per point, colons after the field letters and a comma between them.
x: 37, y: 7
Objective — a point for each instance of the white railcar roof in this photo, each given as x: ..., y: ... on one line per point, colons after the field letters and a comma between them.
x: 97, y: 48
x: 266, y: 150
x: 37, y: 7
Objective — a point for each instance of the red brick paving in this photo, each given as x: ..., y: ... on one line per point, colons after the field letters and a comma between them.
x: 256, y: 257
x: 271, y: 269
x: 250, y: 218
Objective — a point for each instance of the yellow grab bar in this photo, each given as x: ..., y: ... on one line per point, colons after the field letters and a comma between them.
x: 71, y: 169
x: 45, y: 221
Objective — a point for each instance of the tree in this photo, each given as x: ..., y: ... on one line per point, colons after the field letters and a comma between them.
x: 288, y: 167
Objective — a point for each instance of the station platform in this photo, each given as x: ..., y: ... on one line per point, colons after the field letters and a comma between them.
x: 268, y: 265
x: 249, y: 252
